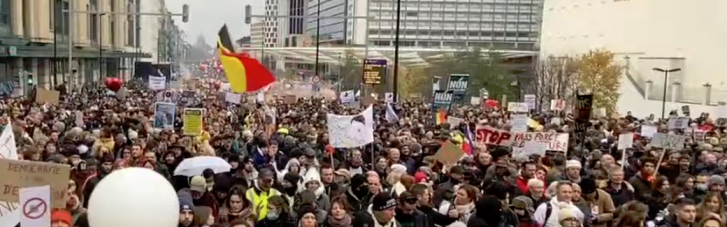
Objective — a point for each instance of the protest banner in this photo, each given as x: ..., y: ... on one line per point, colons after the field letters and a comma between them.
x: 667, y: 141
x: 20, y: 174
x: 551, y: 140
x: 492, y: 136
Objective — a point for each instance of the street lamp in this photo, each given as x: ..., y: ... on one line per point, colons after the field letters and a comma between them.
x: 666, y: 75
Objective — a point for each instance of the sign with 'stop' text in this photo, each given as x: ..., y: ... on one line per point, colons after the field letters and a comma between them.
x: 492, y: 136
x: 21, y: 174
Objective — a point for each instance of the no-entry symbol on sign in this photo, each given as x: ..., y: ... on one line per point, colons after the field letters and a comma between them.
x: 35, y: 208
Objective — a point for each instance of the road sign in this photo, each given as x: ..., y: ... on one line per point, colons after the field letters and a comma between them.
x: 316, y: 79
x: 35, y: 208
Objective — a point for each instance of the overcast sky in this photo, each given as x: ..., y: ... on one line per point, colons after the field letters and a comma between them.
x: 206, y: 17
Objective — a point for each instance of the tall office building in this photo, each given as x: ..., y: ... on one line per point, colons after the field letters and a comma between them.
x: 270, y: 24
x: 502, y: 24
x: 332, y: 21
x: 291, y: 29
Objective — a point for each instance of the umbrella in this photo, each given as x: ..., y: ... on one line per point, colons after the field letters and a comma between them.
x: 195, y: 166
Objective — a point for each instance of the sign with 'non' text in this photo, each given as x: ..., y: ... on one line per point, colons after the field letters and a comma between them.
x: 442, y: 100
x: 458, y: 85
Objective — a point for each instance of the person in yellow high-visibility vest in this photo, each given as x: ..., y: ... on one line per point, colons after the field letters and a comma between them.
x: 260, y: 192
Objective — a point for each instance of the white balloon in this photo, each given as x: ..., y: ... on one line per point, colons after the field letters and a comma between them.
x: 136, y: 197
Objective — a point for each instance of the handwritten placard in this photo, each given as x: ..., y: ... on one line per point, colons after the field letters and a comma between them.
x: 667, y: 141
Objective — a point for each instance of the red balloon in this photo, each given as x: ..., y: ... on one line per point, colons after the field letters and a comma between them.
x: 114, y: 84
x: 491, y: 103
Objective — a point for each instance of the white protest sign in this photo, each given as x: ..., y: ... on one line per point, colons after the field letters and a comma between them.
x: 492, y: 136
x: 260, y: 97
x: 648, y: 131
x: 347, y: 96
x: 233, y: 97
x: 475, y: 101
x: 35, y: 202
x: 157, y: 83
x: 667, y: 141
x: 529, y: 99
x: 678, y: 122
x: 553, y: 141
x: 519, y: 123
x: 9, y: 212
x: 454, y: 121
x: 625, y: 141
x: 517, y: 107
x: 389, y: 97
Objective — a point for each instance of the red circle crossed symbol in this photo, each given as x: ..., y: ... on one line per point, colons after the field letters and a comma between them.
x: 316, y: 79
x: 35, y: 208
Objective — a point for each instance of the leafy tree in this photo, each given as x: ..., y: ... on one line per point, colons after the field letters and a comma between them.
x: 351, y: 72
x: 600, y: 76
x: 412, y: 80
x: 485, y: 69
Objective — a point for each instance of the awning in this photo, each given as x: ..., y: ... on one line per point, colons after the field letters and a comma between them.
x: 408, y: 56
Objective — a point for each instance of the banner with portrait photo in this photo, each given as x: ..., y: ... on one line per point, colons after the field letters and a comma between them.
x: 164, y: 115
x: 346, y: 131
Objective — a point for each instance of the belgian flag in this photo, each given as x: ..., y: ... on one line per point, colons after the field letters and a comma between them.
x: 244, y: 73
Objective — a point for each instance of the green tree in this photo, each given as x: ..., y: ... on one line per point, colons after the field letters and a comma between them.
x: 599, y: 75
x: 486, y: 70
x: 413, y: 81
x: 350, y: 72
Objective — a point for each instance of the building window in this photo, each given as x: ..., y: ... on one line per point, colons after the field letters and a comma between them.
x: 130, y: 23
x: 5, y: 11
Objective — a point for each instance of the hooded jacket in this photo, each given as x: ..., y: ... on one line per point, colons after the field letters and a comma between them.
x: 366, y: 219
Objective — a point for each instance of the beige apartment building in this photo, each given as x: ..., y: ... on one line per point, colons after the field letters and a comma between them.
x: 34, y: 39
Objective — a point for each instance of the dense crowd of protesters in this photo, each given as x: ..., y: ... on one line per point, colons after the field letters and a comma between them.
x: 292, y: 177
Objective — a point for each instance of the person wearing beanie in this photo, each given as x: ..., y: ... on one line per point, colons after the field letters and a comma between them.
x: 407, y: 213
x: 358, y: 193
x: 380, y: 213
x: 61, y: 218
x: 716, y: 183
x: 572, y: 171
x: 307, y: 216
x: 599, y: 200
x: 522, y: 206
x: 567, y: 218
x: 186, y: 213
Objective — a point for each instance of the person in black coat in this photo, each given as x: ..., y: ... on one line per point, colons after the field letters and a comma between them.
x: 382, y: 211
x: 488, y: 214
x: 408, y: 215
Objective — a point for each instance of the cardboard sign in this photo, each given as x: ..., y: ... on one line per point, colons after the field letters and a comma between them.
x: 449, y: 153
x: 492, y: 136
x: 667, y: 141
x: 551, y: 140
x: 290, y: 99
x: 21, y: 174
x: 43, y: 96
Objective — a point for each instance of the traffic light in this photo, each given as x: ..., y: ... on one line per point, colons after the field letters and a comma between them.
x: 248, y: 14
x: 185, y: 13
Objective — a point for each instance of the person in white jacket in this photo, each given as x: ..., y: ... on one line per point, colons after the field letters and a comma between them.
x: 546, y: 214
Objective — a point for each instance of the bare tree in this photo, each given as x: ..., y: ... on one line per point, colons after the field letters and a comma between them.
x: 554, y: 78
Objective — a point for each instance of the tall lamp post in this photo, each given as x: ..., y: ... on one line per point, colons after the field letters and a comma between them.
x: 100, y: 45
x: 396, y: 50
x: 666, y: 76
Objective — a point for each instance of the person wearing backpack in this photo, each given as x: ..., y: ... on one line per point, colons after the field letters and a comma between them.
x: 546, y: 215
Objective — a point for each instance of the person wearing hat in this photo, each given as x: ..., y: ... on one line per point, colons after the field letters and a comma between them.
x: 572, y: 171
x: 380, y: 213
x: 307, y: 216
x: 599, y: 201
x: 407, y: 213
x: 522, y: 206
x: 567, y: 218
x: 201, y: 196
x: 61, y: 218
x: 186, y: 213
